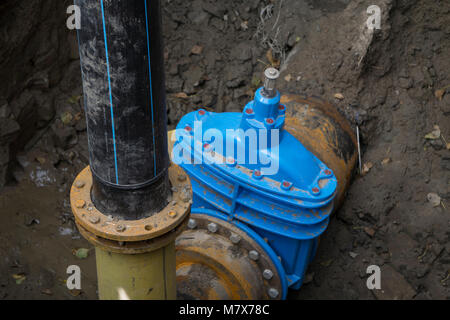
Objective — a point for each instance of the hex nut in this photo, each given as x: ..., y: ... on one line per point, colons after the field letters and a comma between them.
x: 173, y: 214
x: 235, y: 238
x: 192, y: 224
x: 80, y: 204
x: 268, y: 274
x: 212, y: 227
x: 254, y: 255
x: 273, y: 293
x: 94, y: 220
x: 121, y: 228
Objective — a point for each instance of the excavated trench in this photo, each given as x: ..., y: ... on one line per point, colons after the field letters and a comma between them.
x: 392, y: 83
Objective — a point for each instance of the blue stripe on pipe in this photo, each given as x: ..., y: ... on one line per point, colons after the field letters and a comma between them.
x: 110, y: 95
x: 151, y: 90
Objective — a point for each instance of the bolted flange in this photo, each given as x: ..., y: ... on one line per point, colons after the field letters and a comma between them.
x: 109, y: 231
x: 205, y: 272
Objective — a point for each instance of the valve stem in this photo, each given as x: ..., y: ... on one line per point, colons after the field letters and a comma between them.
x: 271, y: 75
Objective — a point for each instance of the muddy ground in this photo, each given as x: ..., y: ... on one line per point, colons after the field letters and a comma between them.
x: 391, y: 83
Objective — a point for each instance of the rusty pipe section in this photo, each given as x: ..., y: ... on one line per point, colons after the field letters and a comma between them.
x: 121, y: 55
x: 320, y: 127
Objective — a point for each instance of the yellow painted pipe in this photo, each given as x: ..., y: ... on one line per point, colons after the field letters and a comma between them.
x: 145, y: 276
x: 135, y: 259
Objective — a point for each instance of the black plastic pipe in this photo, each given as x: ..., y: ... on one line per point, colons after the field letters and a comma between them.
x: 121, y: 56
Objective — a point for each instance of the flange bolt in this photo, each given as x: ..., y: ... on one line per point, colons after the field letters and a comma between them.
x: 254, y: 255
x: 121, y: 228
x: 212, y: 227
x: 267, y: 274
x: 273, y: 293
x: 192, y: 224
x: 235, y: 238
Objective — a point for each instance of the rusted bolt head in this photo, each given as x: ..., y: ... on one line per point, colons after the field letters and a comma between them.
x: 316, y: 190
x: 172, y: 214
x: 231, y: 162
x: 328, y: 172
x: 148, y: 227
x: 212, y: 227
x: 182, y: 178
x: 94, y: 220
x: 267, y: 274
x: 188, y: 128
x: 235, y: 238
x: 185, y: 196
x: 202, y: 112
x: 270, y: 121
x: 121, y: 228
x: 273, y: 293
x: 254, y: 255
x: 286, y: 185
x: 80, y: 204
x: 192, y: 224
x: 249, y: 111
x: 79, y: 184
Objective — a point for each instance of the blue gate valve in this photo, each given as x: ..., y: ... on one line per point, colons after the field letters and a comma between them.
x: 248, y: 168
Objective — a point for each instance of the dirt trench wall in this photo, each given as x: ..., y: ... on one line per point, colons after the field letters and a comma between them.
x: 35, y: 51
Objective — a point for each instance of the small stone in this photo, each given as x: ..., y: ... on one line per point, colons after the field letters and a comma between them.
x: 434, y: 199
x: 370, y: 232
x: 339, y: 96
x: 213, y: 228
x: 353, y: 255
x: 47, y: 292
x: 366, y: 168
x: 67, y: 118
x: 197, y: 50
